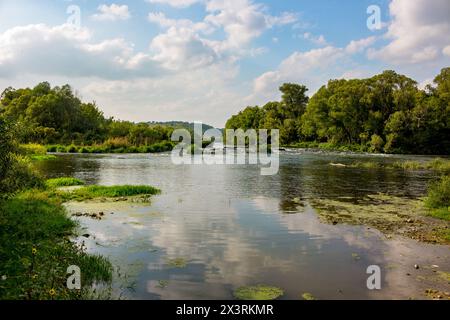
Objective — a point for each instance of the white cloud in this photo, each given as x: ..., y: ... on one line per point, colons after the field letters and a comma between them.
x: 319, y: 40
x: 356, y: 46
x: 446, y: 51
x: 243, y: 20
x: 418, y: 32
x: 160, y: 19
x: 25, y: 50
x: 175, y: 3
x: 182, y: 48
x: 311, y: 68
x: 112, y: 13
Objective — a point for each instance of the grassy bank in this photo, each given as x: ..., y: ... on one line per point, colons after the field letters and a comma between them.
x: 437, y: 164
x: 112, y: 148
x: 36, y: 251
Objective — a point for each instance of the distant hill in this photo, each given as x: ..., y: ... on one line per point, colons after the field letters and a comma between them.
x: 179, y: 124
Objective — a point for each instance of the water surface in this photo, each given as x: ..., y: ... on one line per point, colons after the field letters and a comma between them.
x: 233, y: 227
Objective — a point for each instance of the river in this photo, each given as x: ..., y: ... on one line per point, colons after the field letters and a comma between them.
x: 228, y: 226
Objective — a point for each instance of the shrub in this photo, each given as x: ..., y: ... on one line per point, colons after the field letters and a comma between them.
x: 376, y: 143
x: 439, y: 193
x: 72, y: 149
x: 32, y: 149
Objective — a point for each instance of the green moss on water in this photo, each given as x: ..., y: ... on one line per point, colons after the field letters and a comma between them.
x: 308, y: 296
x: 177, y: 263
x: 259, y: 292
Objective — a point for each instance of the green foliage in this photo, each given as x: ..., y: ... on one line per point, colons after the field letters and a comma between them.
x: 36, y: 252
x: 32, y: 149
x: 16, y: 172
x: 439, y: 194
x: 63, y: 182
x: 52, y: 116
x: 387, y: 112
x: 94, y: 191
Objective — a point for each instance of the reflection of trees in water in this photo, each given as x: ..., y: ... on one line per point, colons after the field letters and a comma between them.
x: 317, y: 179
x: 78, y: 166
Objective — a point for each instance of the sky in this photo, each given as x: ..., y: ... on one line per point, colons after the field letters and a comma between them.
x: 204, y: 60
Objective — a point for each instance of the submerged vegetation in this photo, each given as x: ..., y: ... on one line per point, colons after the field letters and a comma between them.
x: 259, y: 292
x: 390, y: 214
x: 385, y: 113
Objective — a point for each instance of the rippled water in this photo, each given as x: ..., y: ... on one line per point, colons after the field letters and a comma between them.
x: 234, y: 227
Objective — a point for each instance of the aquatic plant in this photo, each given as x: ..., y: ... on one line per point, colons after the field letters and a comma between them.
x: 259, y: 292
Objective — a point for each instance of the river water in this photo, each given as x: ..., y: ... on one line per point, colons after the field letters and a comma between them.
x: 228, y: 226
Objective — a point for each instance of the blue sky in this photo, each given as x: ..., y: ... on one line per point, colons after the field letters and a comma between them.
x: 206, y: 59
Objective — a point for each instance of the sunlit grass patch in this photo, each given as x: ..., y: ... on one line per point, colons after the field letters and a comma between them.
x: 259, y: 292
x: 63, y: 182
x: 90, y: 192
x: 42, y: 157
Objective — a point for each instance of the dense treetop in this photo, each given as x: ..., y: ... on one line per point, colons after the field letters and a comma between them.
x: 387, y: 112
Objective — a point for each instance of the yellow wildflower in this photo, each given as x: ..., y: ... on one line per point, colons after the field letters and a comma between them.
x: 52, y: 292
x: 34, y: 251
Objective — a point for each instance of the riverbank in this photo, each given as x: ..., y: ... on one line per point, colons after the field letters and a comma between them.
x: 36, y: 233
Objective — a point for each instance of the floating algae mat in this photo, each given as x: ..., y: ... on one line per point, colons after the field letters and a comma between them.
x: 389, y: 214
x: 260, y: 292
x: 177, y: 263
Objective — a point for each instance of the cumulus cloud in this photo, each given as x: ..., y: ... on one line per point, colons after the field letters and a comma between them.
x: 112, y: 12
x: 175, y: 3
x: 419, y: 31
x: 318, y: 40
x: 182, y: 48
x: 357, y: 46
x: 63, y: 50
x: 311, y: 68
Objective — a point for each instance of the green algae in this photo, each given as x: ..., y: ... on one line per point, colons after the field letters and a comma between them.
x: 259, y: 292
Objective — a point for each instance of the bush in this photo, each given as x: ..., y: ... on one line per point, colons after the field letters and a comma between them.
x: 72, y: 149
x: 376, y: 143
x: 32, y: 149
x: 439, y: 193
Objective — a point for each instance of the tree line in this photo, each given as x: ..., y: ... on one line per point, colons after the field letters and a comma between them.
x: 57, y: 115
x: 384, y: 113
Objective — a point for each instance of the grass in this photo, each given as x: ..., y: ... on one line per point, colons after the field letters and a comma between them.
x: 438, y: 198
x: 32, y: 149
x: 36, y: 251
x: 92, y: 192
x: 437, y: 164
x: 42, y: 157
x: 63, y: 182
x: 259, y: 292
x: 113, y: 146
